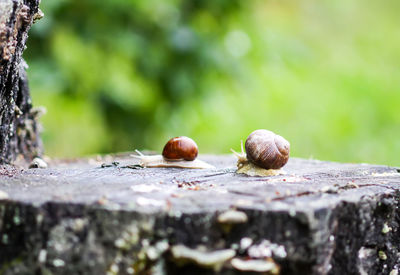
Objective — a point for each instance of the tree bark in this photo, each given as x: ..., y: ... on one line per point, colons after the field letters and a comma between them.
x: 19, y: 131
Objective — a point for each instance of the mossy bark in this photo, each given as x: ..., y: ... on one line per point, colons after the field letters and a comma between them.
x: 18, y: 120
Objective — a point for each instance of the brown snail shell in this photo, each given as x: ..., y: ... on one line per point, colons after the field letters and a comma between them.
x: 180, y: 148
x: 267, y: 149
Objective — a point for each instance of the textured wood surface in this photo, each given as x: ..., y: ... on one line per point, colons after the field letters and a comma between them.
x: 84, y: 217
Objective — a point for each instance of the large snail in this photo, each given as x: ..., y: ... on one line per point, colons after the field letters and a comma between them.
x: 266, y: 153
x: 179, y: 152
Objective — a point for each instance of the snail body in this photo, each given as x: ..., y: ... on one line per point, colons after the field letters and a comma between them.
x: 266, y: 153
x: 179, y: 152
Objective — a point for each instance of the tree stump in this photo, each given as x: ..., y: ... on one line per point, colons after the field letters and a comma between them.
x: 81, y: 217
x: 18, y: 126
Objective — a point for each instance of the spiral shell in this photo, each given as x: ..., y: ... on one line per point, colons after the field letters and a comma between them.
x: 180, y: 148
x: 267, y: 149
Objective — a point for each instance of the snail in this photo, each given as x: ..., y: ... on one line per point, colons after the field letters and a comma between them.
x: 179, y: 152
x: 266, y: 153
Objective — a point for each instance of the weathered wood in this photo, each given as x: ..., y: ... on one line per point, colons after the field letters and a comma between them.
x: 18, y: 126
x: 78, y: 218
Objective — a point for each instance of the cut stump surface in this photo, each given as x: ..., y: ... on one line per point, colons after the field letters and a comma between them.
x: 78, y: 217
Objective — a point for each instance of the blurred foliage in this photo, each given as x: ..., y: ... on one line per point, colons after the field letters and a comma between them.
x: 122, y: 74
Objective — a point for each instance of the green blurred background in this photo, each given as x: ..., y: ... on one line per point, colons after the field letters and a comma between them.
x: 116, y: 75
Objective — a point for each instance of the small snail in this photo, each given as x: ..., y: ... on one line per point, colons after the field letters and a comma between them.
x: 179, y: 152
x: 266, y: 153
x: 180, y: 148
